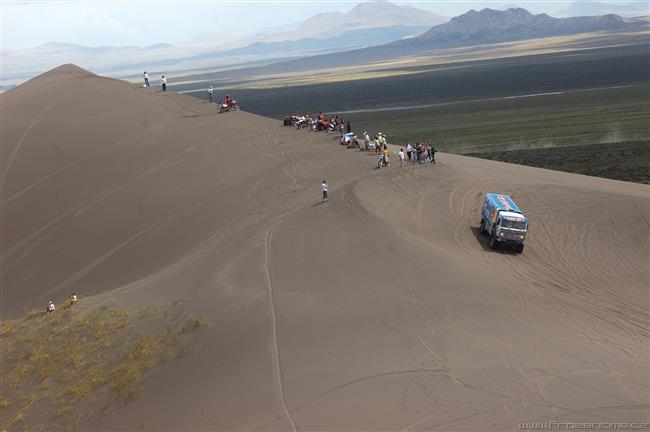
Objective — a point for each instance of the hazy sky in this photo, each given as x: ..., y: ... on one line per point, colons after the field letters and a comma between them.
x: 145, y: 22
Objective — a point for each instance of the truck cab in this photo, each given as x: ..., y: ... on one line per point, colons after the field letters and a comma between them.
x: 503, y: 221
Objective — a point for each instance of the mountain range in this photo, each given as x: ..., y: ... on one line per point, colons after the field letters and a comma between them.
x: 366, y: 24
x: 489, y: 25
x: 369, y: 30
x: 374, y: 14
x: 469, y: 30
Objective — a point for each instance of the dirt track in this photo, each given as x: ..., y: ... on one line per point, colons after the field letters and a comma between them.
x: 382, y: 309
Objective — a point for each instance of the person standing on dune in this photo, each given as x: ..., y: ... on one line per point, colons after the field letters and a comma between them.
x: 323, y: 187
x: 385, y: 155
x: 163, y: 81
x: 401, y: 157
x: 146, y: 79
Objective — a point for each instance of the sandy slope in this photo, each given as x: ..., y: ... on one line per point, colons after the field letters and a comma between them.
x: 382, y: 309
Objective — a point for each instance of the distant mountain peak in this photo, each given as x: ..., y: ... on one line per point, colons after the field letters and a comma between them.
x: 491, y: 14
x: 368, y: 14
x: 490, y: 25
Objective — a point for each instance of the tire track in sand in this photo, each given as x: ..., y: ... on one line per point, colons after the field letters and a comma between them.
x: 68, y: 166
x: 34, y: 239
x: 275, y: 352
x: 351, y: 383
x: 536, y: 364
x: 423, y: 195
x: 13, y: 154
x: 150, y: 228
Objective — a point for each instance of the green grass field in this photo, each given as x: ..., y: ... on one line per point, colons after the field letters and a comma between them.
x: 586, y: 117
x: 629, y: 161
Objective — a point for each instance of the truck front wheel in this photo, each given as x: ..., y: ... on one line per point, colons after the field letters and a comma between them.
x: 493, y: 241
x: 520, y: 248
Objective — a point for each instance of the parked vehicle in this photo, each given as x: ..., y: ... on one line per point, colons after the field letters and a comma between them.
x: 290, y: 120
x: 225, y: 107
x: 302, y: 122
x: 503, y: 221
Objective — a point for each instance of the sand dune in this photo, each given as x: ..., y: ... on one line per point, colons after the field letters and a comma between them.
x: 382, y: 309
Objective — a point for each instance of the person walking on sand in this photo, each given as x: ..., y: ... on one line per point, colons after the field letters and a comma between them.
x: 323, y: 188
x: 409, y: 150
x: 366, y: 140
x: 146, y: 79
x: 401, y: 157
x: 50, y: 307
x: 433, y: 154
x: 210, y: 91
x: 163, y: 81
x: 348, y: 128
x: 73, y: 299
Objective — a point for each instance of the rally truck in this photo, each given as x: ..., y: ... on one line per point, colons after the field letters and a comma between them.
x: 503, y: 221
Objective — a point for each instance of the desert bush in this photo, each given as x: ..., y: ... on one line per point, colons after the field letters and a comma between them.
x: 56, y: 368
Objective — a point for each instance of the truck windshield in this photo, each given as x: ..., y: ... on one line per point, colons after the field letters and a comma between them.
x: 520, y: 225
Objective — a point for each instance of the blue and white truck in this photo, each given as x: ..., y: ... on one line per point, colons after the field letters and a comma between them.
x: 503, y: 221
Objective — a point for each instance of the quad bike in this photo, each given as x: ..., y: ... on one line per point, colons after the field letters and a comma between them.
x: 223, y: 107
x: 290, y: 120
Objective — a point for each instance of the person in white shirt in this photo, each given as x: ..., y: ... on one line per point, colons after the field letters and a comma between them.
x: 382, y: 139
x: 401, y: 157
x: 323, y: 187
x: 409, y: 150
x: 146, y: 79
x: 163, y: 81
x: 210, y: 91
x: 50, y: 307
x: 73, y: 299
x: 366, y: 140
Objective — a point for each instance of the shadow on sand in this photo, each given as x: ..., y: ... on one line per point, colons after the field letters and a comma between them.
x: 482, y: 239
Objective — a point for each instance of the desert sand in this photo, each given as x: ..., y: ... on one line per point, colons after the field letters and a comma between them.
x: 380, y: 310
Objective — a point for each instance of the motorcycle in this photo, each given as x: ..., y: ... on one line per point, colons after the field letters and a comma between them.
x: 382, y: 162
x: 301, y: 122
x: 325, y: 126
